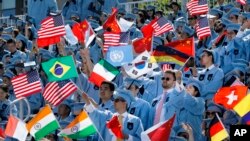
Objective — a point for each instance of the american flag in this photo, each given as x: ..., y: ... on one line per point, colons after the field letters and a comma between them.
x: 26, y: 84
x: 191, y: 4
x: 199, y: 7
x: 56, y: 92
x: 161, y: 26
x: 115, y: 39
x: 166, y: 67
x: 203, y: 29
x: 242, y: 2
x: 52, y: 26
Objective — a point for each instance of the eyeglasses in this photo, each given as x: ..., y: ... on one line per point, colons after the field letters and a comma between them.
x: 119, y: 99
x: 165, y: 78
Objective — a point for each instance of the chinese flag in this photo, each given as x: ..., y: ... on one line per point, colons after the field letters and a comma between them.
x: 78, y: 31
x: 148, y: 30
x: 115, y: 127
x: 111, y: 24
x: 229, y: 97
x: 160, y: 131
x: 185, y: 46
x: 142, y: 44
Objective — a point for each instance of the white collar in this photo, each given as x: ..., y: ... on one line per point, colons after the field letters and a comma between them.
x: 124, y: 115
x: 211, y: 67
x: 167, y: 90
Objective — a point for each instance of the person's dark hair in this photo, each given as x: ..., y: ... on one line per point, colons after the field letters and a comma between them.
x: 31, y: 37
x: 142, y: 16
x: 15, y: 32
x: 4, y: 88
x: 23, y: 47
x: 209, y: 54
x: 1, y: 65
x: 171, y: 72
x: 197, y: 90
x: 11, y: 41
x: 111, y: 85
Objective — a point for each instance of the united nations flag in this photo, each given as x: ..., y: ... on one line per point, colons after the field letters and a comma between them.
x: 60, y: 68
x: 119, y: 55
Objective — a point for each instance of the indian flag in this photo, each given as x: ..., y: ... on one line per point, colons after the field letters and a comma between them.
x: 43, y: 123
x: 103, y: 71
x: 80, y: 127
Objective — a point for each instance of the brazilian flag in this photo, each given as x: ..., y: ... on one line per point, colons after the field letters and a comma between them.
x: 60, y: 68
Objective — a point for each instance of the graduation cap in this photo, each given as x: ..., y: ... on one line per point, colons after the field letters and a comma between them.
x: 195, y: 83
x: 228, y: 6
x: 9, y: 74
x: 9, y: 29
x: 122, y: 11
x: 45, y: 54
x: 150, y: 7
x: 130, y: 81
x: 21, y: 37
x: 67, y: 102
x: 30, y: 19
x: 214, y: 53
x: 214, y: 107
x: 180, y: 22
x: 77, y: 106
x: 130, y: 16
x: 233, y: 26
x: 216, y: 12
x: 188, y: 30
x: 20, y: 23
x: 233, y: 11
x: 225, y: 21
x: 135, y: 10
x: 124, y: 95
x: 246, y: 15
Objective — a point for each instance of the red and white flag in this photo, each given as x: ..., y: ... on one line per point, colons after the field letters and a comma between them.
x: 56, y: 92
x: 203, y: 28
x: 115, y: 39
x: 242, y: 2
x: 16, y: 128
x: 161, y: 26
x: 26, y: 84
x: 52, y: 28
x: 159, y: 132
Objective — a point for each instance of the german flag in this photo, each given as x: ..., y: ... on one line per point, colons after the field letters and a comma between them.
x: 169, y: 54
x: 175, y: 52
x: 217, y: 131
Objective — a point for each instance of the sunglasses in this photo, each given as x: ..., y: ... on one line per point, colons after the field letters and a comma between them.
x: 119, y: 100
x: 165, y: 78
x: 210, y: 113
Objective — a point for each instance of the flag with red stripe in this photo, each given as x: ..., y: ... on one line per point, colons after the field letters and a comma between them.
x: 115, y: 39
x: 200, y: 8
x: 26, y: 84
x: 52, y: 28
x: 242, y: 2
x: 161, y: 26
x: 56, y: 92
x: 203, y: 29
x: 217, y: 130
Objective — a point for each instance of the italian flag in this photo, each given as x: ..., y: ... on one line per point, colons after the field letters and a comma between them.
x: 16, y: 128
x: 43, y: 123
x: 80, y: 127
x: 103, y: 71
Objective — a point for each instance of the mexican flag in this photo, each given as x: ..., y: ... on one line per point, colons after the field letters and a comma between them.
x: 43, y: 123
x: 80, y: 127
x: 103, y: 71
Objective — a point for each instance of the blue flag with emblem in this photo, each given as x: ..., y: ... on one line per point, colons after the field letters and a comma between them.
x: 119, y: 55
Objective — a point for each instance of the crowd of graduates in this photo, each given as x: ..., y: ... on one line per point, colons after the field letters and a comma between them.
x: 185, y: 91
